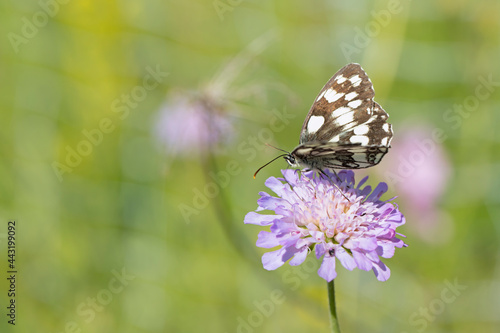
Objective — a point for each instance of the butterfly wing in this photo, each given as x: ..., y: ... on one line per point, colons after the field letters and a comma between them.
x: 344, y: 102
x: 330, y: 155
x: 345, y: 128
x: 376, y: 131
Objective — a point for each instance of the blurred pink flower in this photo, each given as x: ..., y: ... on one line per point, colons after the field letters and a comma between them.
x: 190, y: 125
x: 197, y: 123
x: 419, y: 168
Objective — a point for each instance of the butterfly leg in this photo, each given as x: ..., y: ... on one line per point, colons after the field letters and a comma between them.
x: 334, y: 184
x: 338, y: 178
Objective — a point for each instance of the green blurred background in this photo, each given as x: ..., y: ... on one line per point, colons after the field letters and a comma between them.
x: 121, y: 210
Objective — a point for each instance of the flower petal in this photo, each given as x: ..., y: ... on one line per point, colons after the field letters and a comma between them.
x: 267, y: 240
x: 347, y: 176
x: 327, y: 269
x: 260, y: 219
x: 365, y: 191
x: 320, y: 249
x: 282, y: 227
x: 372, y: 256
x: 386, y: 250
x: 277, y: 187
x: 362, y: 182
x: 395, y: 219
x: 345, y: 258
x: 378, y: 192
x: 361, y: 260
x: 299, y: 257
x: 291, y: 176
x: 365, y: 244
x: 274, y: 259
x: 270, y: 203
x: 289, y: 239
x: 382, y: 272
x: 318, y: 236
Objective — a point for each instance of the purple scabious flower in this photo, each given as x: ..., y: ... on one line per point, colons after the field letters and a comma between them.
x: 312, y: 214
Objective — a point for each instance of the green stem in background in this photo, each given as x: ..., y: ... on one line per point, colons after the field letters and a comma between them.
x: 223, y: 209
x: 333, y: 308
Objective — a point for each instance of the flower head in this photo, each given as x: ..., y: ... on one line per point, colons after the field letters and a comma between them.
x: 193, y: 124
x: 312, y: 214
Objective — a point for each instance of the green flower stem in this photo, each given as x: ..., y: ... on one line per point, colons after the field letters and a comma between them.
x: 223, y: 209
x: 333, y: 308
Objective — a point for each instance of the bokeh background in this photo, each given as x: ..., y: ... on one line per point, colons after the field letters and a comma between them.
x: 118, y: 116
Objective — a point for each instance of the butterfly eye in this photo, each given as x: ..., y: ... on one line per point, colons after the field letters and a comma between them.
x: 290, y: 159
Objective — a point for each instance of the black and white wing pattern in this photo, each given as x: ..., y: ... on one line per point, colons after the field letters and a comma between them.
x: 345, y: 128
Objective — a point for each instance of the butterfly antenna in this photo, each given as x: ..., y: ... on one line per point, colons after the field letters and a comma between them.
x: 271, y: 161
x: 267, y: 144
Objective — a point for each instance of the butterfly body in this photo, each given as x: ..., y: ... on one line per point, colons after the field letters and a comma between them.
x: 345, y: 128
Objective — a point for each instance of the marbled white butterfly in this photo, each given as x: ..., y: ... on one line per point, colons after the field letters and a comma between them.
x: 345, y: 128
